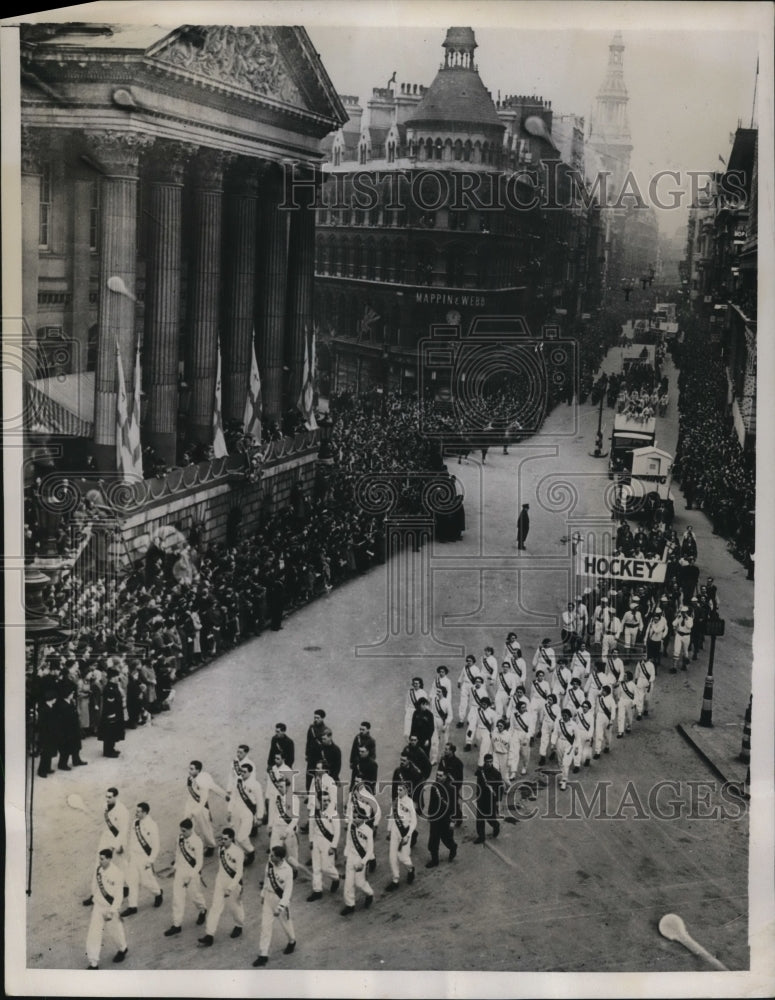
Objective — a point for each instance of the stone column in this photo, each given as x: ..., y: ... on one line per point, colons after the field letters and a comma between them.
x: 272, y: 272
x: 32, y: 140
x: 240, y: 290
x: 162, y: 297
x: 118, y: 155
x: 301, y: 276
x: 205, y: 290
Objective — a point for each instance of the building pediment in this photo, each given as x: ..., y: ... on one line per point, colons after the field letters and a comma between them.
x: 243, y: 58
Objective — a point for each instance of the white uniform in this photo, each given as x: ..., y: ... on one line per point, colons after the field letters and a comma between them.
x: 645, y: 674
x: 440, y: 704
x: 234, y: 774
x: 580, y: 666
x: 490, y: 674
x: 283, y: 822
x: 322, y: 782
x: 115, y: 831
x: 611, y: 634
x: 626, y: 706
x: 358, y: 851
x: 564, y: 739
x: 585, y: 732
x: 228, y: 887
x: 500, y: 741
x: 413, y: 696
x: 615, y: 670
x: 573, y: 700
x: 481, y: 723
x: 324, y: 831
x: 545, y: 659
x: 632, y: 625
x: 276, y: 902
x: 520, y: 669
x: 143, y: 851
x: 189, y: 856
x: 600, y: 619
x: 366, y: 803
x: 511, y: 651
x: 682, y: 626
x: 196, y: 807
x: 605, y: 711
x: 549, y: 719
x: 597, y: 681
x: 538, y: 695
x: 505, y: 686
x: 465, y: 682
x: 108, y: 894
x: 522, y: 731
x: 402, y: 822
x: 562, y: 679
x: 246, y: 799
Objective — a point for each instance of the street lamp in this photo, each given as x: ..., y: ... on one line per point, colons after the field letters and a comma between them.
x: 713, y: 627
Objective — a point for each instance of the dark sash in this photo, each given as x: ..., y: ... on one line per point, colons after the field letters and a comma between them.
x: 596, y: 679
x: 245, y: 797
x: 231, y: 872
x: 573, y: 697
x: 113, y: 829
x: 551, y: 711
x: 194, y: 795
x: 568, y: 736
x: 545, y: 655
x: 583, y: 721
x: 630, y: 694
x: 274, y: 779
x: 537, y: 687
x: 504, y: 685
x: 143, y: 842
x: 563, y: 682
x: 442, y: 714
x: 413, y: 696
x: 470, y: 676
x: 287, y: 817
x: 276, y: 887
x: 328, y: 834
x: 520, y: 722
x: 477, y: 698
x: 108, y: 898
x: 190, y: 858
x: 403, y: 830
x: 601, y: 702
x: 485, y: 721
x: 357, y: 841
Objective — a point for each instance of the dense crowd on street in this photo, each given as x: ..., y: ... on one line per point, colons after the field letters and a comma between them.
x: 715, y: 475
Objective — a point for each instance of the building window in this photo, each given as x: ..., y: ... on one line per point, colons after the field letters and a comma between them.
x: 94, y: 216
x: 391, y: 152
x: 45, y: 207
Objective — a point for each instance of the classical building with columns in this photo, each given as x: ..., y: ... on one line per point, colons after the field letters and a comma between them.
x: 153, y: 166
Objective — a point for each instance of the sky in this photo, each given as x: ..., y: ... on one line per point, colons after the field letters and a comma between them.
x: 689, y: 67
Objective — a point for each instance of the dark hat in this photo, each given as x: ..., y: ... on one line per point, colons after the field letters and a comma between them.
x: 487, y: 756
x: 320, y: 712
x: 526, y: 506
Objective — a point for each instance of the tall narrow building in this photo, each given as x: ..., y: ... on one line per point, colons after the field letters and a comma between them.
x: 609, y: 133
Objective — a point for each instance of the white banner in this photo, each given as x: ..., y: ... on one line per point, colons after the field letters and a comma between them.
x: 621, y: 568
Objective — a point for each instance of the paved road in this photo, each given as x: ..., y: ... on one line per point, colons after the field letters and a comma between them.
x: 558, y: 893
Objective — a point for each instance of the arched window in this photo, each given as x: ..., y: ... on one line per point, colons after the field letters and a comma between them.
x: 458, y: 150
x: 438, y: 149
x: 467, y: 150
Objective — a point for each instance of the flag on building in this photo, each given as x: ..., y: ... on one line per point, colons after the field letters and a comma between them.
x: 251, y: 421
x: 126, y: 464
x: 219, y: 441
x: 307, y: 390
x: 134, y: 420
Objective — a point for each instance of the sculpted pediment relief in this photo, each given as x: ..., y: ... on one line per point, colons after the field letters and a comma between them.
x: 244, y: 57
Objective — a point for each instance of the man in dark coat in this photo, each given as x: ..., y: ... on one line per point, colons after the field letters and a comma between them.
x: 281, y: 743
x: 452, y: 765
x: 68, y: 728
x: 523, y: 525
x: 111, y: 727
x: 423, y: 725
x: 489, y: 790
x: 440, y: 809
x: 48, y: 736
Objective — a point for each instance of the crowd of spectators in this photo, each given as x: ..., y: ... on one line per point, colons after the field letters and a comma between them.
x: 715, y: 475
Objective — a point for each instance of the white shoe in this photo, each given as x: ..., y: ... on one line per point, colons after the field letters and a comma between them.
x: 524, y: 770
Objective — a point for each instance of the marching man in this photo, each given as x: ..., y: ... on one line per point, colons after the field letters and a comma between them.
x: 143, y: 851
x: 581, y: 663
x: 615, y: 670
x: 551, y: 716
x: 244, y: 808
x: 656, y: 633
x: 441, y: 708
x: 189, y: 858
x: 611, y: 633
x: 523, y: 728
x: 276, y: 903
x: 501, y: 745
x: 402, y: 822
x: 505, y: 686
x: 563, y: 740
x: 358, y: 852
x: 574, y: 698
x: 682, y: 626
x: 465, y: 683
x: 600, y: 618
x: 240, y: 758
x: 632, y: 625
x: 626, y: 708
x: 277, y: 771
x: 413, y: 695
x: 489, y: 669
x: 538, y: 696
x: 199, y: 784
x: 512, y: 649
x: 107, y: 895
x: 324, y: 829
x: 604, y: 718
x: 645, y: 673
x: 228, y: 886
x: 481, y: 721
x: 284, y: 818
x: 545, y: 659
x: 114, y: 834
x: 562, y: 679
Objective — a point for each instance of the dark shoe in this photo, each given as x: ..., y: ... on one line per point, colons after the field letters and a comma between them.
x: 452, y: 852
x: 126, y: 891
x: 92, y: 968
x: 606, y: 749
x: 414, y: 838
x: 596, y: 756
x: 250, y: 858
x: 410, y: 876
x: 346, y: 911
x: 206, y: 941
x: 172, y: 931
x: 619, y: 736
x: 304, y: 828
x: 209, y: 851
x: 495, y: 832
x: 576, y: 769
x: 64, y: 767
x: 467, y: 746
x: 391, y: 887
x: 88, y: 902
x: 638, y: 717
x: 45, y: 774
x: 159, y: 899
x: 542, y: 759
x: 201, y: 918
x: 120, y: 955
x: 261, y: 960
x: 289, y: 948
x: 587, y: 763
x: 335, y: 885
x: 367, y: 902
x: 371, y: 865
x: 80, y: 763
x: 673, y: 670
x: 646, y: 712
x: 236, y: 932
x: 313, y: 896
x: 113, y: 753
x: 459, y: 725
x: 433, y: 863
x: 479, y: 840
x: 129, y: 911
